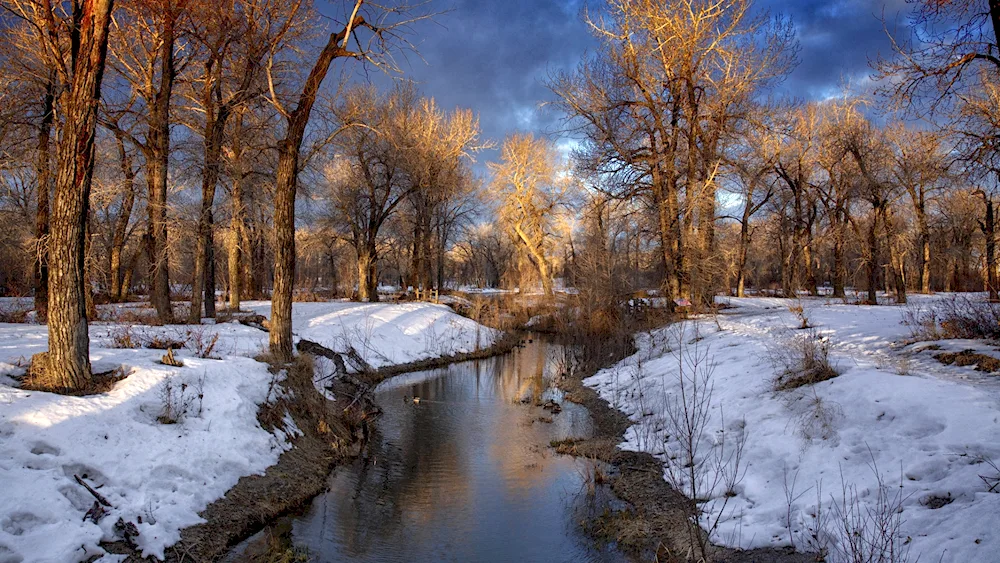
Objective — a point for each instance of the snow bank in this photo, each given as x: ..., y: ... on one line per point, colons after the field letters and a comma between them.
x: 165, y: 474
x: 385, y: 333
x: 894, y: 409
x: 161, y: 474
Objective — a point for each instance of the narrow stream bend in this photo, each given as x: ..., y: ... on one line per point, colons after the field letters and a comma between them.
x: 464, y: 475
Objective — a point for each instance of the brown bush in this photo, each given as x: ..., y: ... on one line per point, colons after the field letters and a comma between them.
x: 805, y: 361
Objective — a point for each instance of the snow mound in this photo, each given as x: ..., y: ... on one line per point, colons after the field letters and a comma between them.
x: 387, y: 334
x: 893, y: 413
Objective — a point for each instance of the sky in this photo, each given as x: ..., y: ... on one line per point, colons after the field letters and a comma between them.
x: 493, y: 56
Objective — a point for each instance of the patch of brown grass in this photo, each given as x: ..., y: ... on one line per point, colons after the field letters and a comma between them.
x: 983, y: 363
x: 805, y: 362
x: 14, y: 315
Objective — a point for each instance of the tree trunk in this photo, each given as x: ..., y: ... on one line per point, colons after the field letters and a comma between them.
x: 118, y: 291
x: 924, y: 234
x: 129, y: 274
x: 158, y: 157
x: 43, y: 176
x: 741, y: 258
x: 215, y: 126
x: 284, y: 197
x: 367, y: 274
x: 235, y: 270
x: 873, y: 253
x: 68, y: 359
x: 284, y: 252
x: 989, y: 231
x: 839, y: 263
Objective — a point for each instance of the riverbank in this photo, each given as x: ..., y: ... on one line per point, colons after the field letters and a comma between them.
x: 151, y: 444
x: 656, y: 525
x: 886, y: 443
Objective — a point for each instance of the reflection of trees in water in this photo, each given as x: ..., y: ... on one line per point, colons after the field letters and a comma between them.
x: 467, y: 442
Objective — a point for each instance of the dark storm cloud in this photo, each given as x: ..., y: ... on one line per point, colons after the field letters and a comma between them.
x: 837, y: 40
x: 494, y: 56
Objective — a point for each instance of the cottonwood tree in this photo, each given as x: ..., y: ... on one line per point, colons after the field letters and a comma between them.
x: 73, y: 39
x: 438, y: 146
x: 367, y: 182
x: 237, y: 39
x: 795, y: 166
x: 921, y: 168
x: 29, y: 99
x: 529, y: 185
x: 949, y: 68
x: 146, y: 56
x: 659, y: 102
x: 754, y: 181
x: 384, y: 26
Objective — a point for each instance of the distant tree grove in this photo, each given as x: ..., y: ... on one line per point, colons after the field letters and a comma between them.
x: 197, y: 154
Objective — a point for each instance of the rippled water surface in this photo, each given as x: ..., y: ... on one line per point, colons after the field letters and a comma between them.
x: 465, y: 475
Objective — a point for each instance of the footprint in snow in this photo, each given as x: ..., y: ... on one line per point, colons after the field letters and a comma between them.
x: 41, y: 448
x: 20, y: 522
x: 8, y: 555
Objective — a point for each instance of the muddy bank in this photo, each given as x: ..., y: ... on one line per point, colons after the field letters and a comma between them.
x: 656, y: 525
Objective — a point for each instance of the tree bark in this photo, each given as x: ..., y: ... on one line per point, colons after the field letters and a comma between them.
x: 215, y: 126
x: 873, y: 253
x: 280, y: 340
x: 43, y: 175
x: 367, y: 274
x: 119, y: 291
x: 989, y: 231
x: 68, y: 357
x: 158, y: 157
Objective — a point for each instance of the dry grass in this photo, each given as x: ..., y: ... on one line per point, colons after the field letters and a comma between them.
x: 982, y: 362
x: 804, y: 361
x: 14, y: 312
x: 959, y: 317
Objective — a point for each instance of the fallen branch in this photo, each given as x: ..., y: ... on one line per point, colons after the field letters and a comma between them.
x: 90, y: 489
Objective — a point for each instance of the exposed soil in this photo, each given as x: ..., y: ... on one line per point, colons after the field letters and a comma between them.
x: 655, y: 527
x: 984, y: 363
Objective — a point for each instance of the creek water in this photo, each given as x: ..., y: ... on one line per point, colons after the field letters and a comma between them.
x: 466, y: 474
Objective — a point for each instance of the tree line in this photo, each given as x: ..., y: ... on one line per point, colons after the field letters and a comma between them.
x: 176, y: 148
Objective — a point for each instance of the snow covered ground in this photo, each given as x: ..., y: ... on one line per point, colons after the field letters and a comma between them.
x: 161, y: 475
x: 928, y: 430
x: 386, y: 333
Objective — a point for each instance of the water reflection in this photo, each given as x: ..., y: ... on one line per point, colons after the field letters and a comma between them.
x: 465, y: 475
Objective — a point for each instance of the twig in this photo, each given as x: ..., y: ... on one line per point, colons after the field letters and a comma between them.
x: 96, y: 494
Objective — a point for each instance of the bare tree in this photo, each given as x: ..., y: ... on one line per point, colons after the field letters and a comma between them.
x: 73, y: 40
x: 383, y: 34
x: 237, y: 38
x: 145, y: 55
x: 529, y: 187
x: 660, y: 103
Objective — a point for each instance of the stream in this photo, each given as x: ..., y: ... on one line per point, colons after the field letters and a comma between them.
x: 466, y: 474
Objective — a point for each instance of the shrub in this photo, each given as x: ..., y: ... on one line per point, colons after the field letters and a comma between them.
x: 180, y: 401
x: 868, y: 523
x: 202, y: 344
x: 15, y: 311
x: 122, y: 336
x: 958, y: 317
x: 804, y: 361
x: 800, y: 313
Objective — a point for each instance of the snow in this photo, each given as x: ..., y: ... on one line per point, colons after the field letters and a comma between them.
x: 386, y: 333
x: 166, y: 474
x: 894, y: 412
